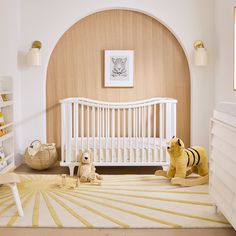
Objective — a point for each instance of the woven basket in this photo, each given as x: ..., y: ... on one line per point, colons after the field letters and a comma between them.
x: 44, y: 158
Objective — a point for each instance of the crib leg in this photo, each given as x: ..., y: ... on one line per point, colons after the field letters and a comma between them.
x: 71, y: 168
x: 165, y: 167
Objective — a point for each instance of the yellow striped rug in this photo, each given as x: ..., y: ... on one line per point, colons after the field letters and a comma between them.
x: 136, y: 201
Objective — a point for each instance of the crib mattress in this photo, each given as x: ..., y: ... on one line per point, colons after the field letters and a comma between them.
x: 130, y: 149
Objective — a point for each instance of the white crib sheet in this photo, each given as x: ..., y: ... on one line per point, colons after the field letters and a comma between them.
x: 109, y: 150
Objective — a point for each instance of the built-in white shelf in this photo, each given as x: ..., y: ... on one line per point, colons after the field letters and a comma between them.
x: 7, y: 158
x: 5, y: 104
x: 6, y: 136
x: 9, y: 167
x: 10, y: 164
x: 6, y: 108
x: 7, y: 125
x: 6, y: 92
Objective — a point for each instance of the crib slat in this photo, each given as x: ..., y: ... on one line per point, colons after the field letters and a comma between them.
x: 96, y: 135
x: 154, y: 131
x: 93, y: 130
x: 118, y: 135
x: 113, y: 135
x: 108, y: 131
x: 173, y: 126
x: 143, y: 151
x: 140, y: 132
x: 144, y: 120
x: 136, y: 134
x: 173, y: 119
x: 168, y: 122
x: 104, y: 117
x: 97, y: 122
x: 124, y: 135
x: 168, y: 127
x: 130, y: 133
x: 103, y: 120
x: 106, y: 135
x: 69, y: 132
x: 161, y: 129
x: 76, y: 122
x: 149, y: 133
x: 63, y: 132
x: 82, y: 127
x: 100, y: 135
x: 108, y: 121
x: 134, y: 123
x: 139, y: 122
x: 88, y: 123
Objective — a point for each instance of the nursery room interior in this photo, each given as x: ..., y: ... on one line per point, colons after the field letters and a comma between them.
x: 117, y: 117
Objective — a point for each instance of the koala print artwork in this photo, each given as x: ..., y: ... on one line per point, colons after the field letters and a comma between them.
x: 119, y: 67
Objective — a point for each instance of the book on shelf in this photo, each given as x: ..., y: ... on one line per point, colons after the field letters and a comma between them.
x: 4, y: 98
x: 3, y: 131
x: 3, y: 162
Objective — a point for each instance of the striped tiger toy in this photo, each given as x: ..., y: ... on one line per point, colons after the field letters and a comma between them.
x: 182, y: 159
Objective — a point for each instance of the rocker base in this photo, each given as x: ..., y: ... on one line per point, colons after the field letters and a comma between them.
x: 185, y: 182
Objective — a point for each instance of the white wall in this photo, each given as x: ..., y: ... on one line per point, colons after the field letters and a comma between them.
x: 224, y: 47
x: 182, y: 17
x: 48, y: 20
x: 9, y: 44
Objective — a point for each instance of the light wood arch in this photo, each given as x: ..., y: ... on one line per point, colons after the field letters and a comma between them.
x: 76, y: 65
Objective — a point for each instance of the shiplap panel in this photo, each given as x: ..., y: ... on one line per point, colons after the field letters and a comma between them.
x: 76, y: 66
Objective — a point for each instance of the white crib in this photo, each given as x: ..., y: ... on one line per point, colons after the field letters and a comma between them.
x: 117, y: 134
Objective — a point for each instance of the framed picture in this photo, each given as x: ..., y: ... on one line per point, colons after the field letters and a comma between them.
x: 119, y: 68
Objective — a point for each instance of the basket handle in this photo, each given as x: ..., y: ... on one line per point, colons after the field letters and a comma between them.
x: 36, y: 140
x: 49, y: 154
x: 49, y: 146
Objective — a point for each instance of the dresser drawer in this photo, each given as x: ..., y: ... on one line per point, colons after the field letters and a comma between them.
x: 227, y: 149
x: 220, y: 202
x: 223, y: 175
x: 219, y: 185
x: 225, y: 132
x: 219, y: 157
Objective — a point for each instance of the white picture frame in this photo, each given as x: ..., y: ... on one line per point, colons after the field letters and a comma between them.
x: 119, y: 68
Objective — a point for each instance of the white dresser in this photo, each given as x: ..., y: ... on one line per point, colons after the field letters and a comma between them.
x: 223, y: 160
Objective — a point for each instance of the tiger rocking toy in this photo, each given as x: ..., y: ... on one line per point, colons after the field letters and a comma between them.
x: 183, y: 162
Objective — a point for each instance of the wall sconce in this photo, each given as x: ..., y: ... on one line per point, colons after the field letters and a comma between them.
x: 200, y: 54
x: 33, y: 56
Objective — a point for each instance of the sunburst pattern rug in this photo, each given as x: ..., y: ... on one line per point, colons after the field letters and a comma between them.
x: 135, y: 201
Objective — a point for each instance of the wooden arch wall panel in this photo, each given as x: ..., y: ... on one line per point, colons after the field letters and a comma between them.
x: 76, y: 66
